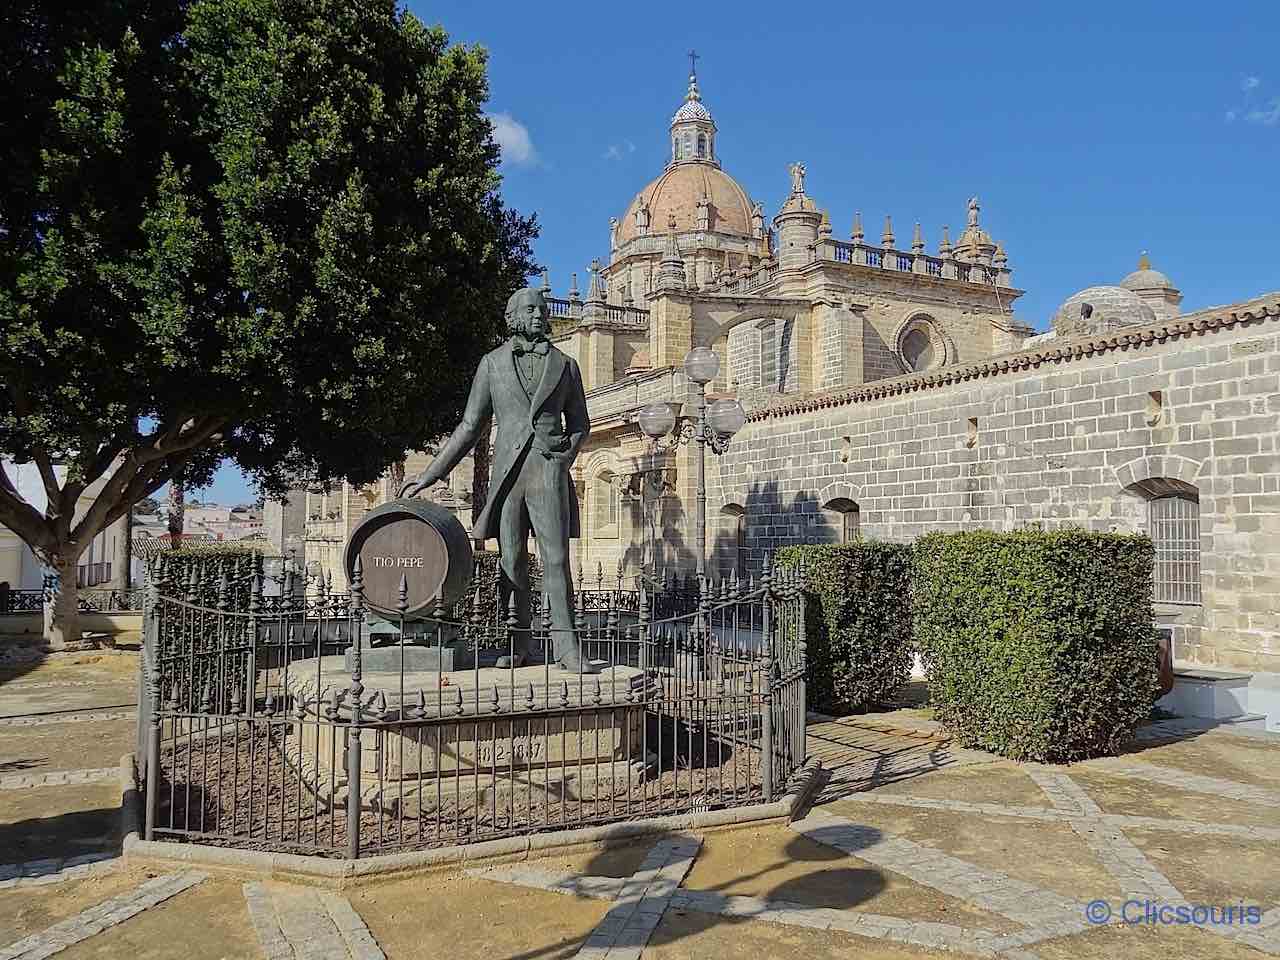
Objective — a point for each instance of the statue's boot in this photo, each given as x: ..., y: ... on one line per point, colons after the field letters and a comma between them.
x: 573, y: 661
x: 518, y: 657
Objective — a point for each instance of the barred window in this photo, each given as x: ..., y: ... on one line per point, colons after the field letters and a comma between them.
x: 845, y: 517
x: 1175, y: 532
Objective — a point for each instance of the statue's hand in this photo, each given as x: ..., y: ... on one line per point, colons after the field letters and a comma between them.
x: 411, y: 488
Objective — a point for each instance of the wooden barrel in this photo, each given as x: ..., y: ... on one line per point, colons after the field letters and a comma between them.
x: 415, y: 539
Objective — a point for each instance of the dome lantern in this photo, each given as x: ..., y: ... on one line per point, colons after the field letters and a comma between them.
x: 693, y: 131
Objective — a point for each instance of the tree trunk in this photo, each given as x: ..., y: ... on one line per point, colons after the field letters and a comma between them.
x: 122, y: 559
x: 62, y: 613
x: 177, y: 509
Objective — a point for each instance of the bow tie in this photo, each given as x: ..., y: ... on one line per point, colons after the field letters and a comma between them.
x: 520, y: 347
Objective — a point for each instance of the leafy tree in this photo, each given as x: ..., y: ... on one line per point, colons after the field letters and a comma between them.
x: 263, y: 230
x: 146, y: 507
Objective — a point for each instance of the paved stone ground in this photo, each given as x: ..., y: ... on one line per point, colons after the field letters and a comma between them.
x: 914, y: 848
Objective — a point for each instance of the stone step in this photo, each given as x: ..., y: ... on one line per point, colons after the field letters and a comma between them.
x: 1207, y: 693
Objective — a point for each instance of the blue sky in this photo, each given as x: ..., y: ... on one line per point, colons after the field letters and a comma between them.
x: 1089, y: 131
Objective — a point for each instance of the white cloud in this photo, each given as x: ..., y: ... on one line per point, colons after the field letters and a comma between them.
x: 1249, y: 83
x: 616, y: 151
x: 1268, y: 117
x: 1231, y: 116
x: 513, y: 137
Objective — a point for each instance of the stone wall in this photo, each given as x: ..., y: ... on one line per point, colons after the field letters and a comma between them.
x: 1067, y: 433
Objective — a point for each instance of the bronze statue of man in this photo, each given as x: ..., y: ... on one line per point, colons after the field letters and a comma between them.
x: 535, y: 394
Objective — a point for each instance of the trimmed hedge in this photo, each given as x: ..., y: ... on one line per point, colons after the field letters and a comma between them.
x: 857, y: 621
x: 1038, y: 645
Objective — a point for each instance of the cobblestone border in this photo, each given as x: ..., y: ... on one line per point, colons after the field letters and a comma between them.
x: 74, y: 716
x: 104, y: 916
x: 57, y: 778
x: 40, y: 873
x: 341, y: 873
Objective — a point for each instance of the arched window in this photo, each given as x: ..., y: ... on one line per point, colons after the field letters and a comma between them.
x: 1173, y: 523
x: 844, y: 516
x: 687, y: 148
x: 675, y: 148
x: 734, y: 527
x: 702, y: 144
x: 604, y: 505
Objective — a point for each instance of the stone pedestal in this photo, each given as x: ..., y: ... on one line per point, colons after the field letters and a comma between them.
x: 455, y: 739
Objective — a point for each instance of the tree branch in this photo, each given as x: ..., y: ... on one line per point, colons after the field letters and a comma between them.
x: 23, y: 519
x: 113, y: 499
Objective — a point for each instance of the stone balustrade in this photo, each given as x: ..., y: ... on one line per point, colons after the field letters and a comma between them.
x: 634, y: 318
x: 941, y: 268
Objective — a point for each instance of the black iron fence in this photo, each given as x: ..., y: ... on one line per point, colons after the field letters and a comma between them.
x: 293, y: 728
x: 88, y: 601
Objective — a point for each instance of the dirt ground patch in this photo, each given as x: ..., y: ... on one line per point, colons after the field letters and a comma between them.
x: 779, y: 864
x: 690, y: 935
x: 1145, y: 943
x: 1214, y: 870
x: 1224, y: 756
x: 1000, y: 782
x: 471, y: 919
x: 27, y: 911
x: 1049, y: 855
x: 58, y: 821
x: 52, y: 746
x: 1134, y: 796
x: 207, y: 922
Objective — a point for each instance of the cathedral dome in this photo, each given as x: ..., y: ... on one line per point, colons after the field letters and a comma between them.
x: 1145, y: 278
x: 678, y: 192
x: 1099, y: 309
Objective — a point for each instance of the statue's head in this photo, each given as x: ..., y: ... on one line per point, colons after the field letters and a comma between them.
x: 527, y: 314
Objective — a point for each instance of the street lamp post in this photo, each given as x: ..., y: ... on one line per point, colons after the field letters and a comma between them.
x: 711, y: 426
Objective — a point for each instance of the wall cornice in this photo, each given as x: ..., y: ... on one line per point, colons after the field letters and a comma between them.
x: 1262, y: 309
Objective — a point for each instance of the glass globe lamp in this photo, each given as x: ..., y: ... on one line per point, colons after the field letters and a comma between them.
x: 701, y: 365
x: 726, y: 417
x: 656, y: 419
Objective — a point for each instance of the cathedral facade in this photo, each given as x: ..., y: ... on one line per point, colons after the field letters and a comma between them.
x: 891, y: 391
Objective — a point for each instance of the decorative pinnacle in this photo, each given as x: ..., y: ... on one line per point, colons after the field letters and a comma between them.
x: 824, y: 228
x: 917, y: 240
x: 595, y: 290
x: 1144, y: 262
x: 857, y: 234
x: 944, y: 248
x: 546, y: 281
x: 573, y: 286
x: 886, y: 238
